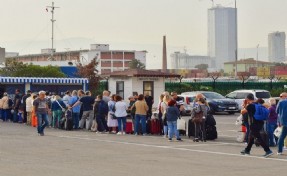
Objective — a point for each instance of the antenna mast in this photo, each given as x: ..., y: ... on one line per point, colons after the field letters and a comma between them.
x: 53, y: 21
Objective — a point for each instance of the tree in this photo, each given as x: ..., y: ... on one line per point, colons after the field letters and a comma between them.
x: 91, y: 73
x: 214, y: 76
x: 14, y: 68
x: 134, y: 64
x: 201, y: 66
x: 243, y: 76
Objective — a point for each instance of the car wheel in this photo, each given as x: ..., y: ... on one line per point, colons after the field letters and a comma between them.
x: 231, y: 112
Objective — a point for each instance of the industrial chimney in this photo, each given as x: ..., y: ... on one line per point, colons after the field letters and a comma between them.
x: 164, y: 58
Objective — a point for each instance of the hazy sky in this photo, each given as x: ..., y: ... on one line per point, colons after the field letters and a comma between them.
x: 134, y: 22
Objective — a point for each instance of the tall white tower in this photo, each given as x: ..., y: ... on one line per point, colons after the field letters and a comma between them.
x: 276, y: 46
x: 222, y: 35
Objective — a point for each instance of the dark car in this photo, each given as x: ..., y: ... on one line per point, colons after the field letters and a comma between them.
x: 216, y: 101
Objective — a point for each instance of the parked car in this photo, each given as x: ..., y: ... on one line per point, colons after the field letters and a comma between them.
x: 187, y: 103
x: 216, y: 101
x: 240, y: 95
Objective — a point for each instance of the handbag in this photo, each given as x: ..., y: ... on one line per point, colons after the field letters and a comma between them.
x: 63, y: 109
x: 278, y: 132
x: 198, y: 116
x: 180, y: 124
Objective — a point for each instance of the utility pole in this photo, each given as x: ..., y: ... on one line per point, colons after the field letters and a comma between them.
x: 236, y: 41
x: 53, y: 21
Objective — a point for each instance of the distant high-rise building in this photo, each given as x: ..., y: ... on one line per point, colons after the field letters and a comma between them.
x: 2, y: 55
x: 276, y: 46
x: 222, y: 35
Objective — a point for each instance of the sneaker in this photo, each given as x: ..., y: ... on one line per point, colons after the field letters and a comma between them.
x: 144, y: 134
x: 119, y: 133
x: 164, y: 136
x: 244, y: 152
x: 136, y: 134
x: 267, y: 154
x: 279, y: 153
x: 169, y: 140
x: 179, y: 139
x: 124, y: 133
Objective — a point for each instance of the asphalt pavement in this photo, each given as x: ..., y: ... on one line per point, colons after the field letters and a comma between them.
x: 83, y: 153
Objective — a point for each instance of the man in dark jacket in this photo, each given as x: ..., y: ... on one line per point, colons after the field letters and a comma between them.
x: 255, y: 127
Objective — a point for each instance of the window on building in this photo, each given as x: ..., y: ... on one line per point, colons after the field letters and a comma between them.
x: 148, y: 88
x: 120, y: 88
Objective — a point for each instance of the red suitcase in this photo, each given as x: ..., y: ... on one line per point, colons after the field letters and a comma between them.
x: 129, y: 128
x: 155, y: 126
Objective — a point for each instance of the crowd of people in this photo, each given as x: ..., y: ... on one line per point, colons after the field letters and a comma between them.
x: 108, y: 114
x: 255, y: 128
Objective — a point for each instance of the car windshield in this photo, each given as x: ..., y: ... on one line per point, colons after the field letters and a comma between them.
x: 263, y: 95
x: 213, y: 95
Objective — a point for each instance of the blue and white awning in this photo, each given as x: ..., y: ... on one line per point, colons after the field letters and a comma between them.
x: 43, y: 80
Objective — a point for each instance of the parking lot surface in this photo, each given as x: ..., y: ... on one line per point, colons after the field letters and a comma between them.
x: 83, y: 153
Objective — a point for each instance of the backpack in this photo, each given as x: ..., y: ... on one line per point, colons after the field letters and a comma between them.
x: 261, y: 113
x: 103, y: 108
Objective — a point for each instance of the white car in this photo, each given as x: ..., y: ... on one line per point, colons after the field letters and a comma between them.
x: 240, y: 95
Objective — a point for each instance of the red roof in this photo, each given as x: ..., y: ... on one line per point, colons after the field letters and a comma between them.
x: 142, y: 73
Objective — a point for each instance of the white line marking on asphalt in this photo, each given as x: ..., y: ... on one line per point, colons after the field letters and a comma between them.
x: 171, y: 147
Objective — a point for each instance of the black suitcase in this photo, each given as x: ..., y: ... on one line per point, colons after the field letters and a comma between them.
x: 210, y: 121
x: 182, y: 132
x: 190, y: 128
x: 211, y: 132
x: 69, y: 120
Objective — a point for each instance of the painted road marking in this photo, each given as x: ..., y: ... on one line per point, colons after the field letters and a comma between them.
x: 170, y: 147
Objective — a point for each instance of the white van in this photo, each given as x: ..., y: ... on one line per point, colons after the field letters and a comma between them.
x: 240, y: 95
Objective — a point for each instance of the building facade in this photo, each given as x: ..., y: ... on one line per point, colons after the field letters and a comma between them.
x: 108, y: 60
x: 2, y: 55
x: 276, y: 46
x: 222, y: 35
x: 185, y: 61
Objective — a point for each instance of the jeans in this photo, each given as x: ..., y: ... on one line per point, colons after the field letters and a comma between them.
x: 247, y: 131
x: 89, y: 115
x: 122, y: 121
x: 57, y: 116
x: 42, y: 118
x: 172, y: 129
x: 102, y: 123
x: 76, y: 119
x: 270, y: 129
x: 281, y: 139
x: 140, y: 119
x: 15, y: 116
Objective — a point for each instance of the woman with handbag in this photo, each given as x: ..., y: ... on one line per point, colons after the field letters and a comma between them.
x: 198, y: 115
x: 164, y: 106
x: 57, y: 108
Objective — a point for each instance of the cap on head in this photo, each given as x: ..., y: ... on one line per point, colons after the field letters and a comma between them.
x: 250, y: 97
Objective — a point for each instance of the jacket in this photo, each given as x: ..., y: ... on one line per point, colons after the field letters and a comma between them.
x: 273, y: 116
x: 172, y: 113
x: 281, y: 110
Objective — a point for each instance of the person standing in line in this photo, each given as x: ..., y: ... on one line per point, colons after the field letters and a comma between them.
x: 132, y: 110
x: 121, y: 114
x: 41, y: 109
x: 75, y: 109
x: 281, y: 110
x: 57, y: 110
x: 66, y: 98
x: 112, y: 123
x: 16, y: 105
x: 24, y: 105
x: 29, y: 108
x: 140, y: 114
x: 272, y: 122
x: 172, y: 114
x: 164, y: 106
x: 255, y: 127
x: 149, y: 101
x: 87, y: 104
x: 199, y: 127
x: 106, y: 96
x: 101, y: 110
x: 5, y: 107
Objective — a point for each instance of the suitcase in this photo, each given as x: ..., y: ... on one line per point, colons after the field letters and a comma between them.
x: 129, y: 127
x: 210, y: 121
x: 190, y: 128
x: 211, y: 132
x: 34, y: 121
x: 155, y: 126
x: 69, y: 120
